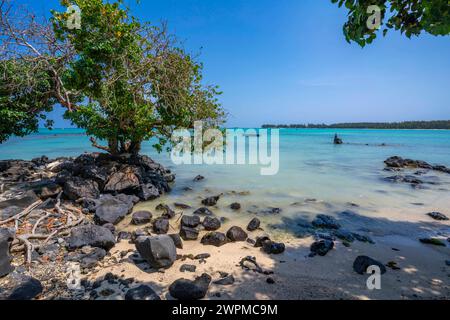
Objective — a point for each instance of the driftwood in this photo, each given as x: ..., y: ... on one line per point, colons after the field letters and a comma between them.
x: 22, y: 214
x: 69, y: 216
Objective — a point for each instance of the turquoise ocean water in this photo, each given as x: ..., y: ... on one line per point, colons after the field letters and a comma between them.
x: 311, y: 167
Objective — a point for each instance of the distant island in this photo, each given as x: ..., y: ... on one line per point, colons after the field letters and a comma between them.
x: 438, y: 124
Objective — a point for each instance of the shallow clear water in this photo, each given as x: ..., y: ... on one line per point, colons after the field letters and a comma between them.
x: 311, y: 167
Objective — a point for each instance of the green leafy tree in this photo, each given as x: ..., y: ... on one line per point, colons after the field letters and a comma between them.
x: 410, y: 17
x: 125, y: 81
x: 24, y: 98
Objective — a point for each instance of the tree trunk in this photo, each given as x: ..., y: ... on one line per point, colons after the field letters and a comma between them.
x: 134, y: 147
x: 113, y: 145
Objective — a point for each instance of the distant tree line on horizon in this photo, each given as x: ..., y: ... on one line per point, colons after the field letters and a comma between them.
x: 439, y: 124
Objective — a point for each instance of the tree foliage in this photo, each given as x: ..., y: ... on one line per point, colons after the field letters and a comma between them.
x: 123, y: 80
x: 410, y: 17
x: 24, y: 98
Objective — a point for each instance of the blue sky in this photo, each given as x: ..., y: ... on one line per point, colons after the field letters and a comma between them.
x: 286, y: 61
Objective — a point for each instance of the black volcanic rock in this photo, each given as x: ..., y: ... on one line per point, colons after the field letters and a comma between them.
x: 91, y: 235
x: 183, y: 289
x: 211, y: 223
x: 216, y: 239
x: 361, y: 264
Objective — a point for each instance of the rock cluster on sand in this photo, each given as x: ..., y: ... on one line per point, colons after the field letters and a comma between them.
x: 27, y: 289
x: 236, y: 234
x: 211, y: 223
x: 142, y: 292
x: 183, y: 289
x: 253, y: 224
x: 91, y: 235
x: 161, y: 226
x: 158, y: 251
x: 141, y: 217
x: 361, y: 264
x: 190, y: 221
x: 84, y: 198
x: 216, y: 239
x: 322, y: 247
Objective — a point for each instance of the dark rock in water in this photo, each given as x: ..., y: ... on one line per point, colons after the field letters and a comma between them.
x: 344, y: 235
x: 211, y: 224
x: 161, y: 226
x: 177, y: 240
x: 6, y: 237
x: 363, y: 238
x: 326, y: 222
x: 190, y: 221
x: 270, y: 211
x: 322, y: 247
x: 199, y: 178
x: 91, y: 235
x: 158, y: 251
x: 188, y: 234
x: 28, y: 289
x: 270, y: 281
x: 261, y: 240
x: 21, y: 202
x: 167, y: 211
x: 235, y: 206
x: 141, y: 217
x: 124, y: 181
x: 441, y: 169
x: 447, y: 263
x: 236, y: 234
x: 254, y: 224
x: 181, y: 205
x: 398, y: 162
x: 325, y: 236
x: 183, y: 289
x: 188, y: 268
x: 77, y: 188
x: 142, y: 293
x: 337, y: 140
x: 438, y: 216
x: 363, y: 262
x: 210, y: 201
x: 148, y: 192
x: 271, y: 247
x: 433, y: 241
x: 203, y: 212
x: 216, y: 239
x: 404, y: 179
x: 225, y: 280
x: 113, y: 209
